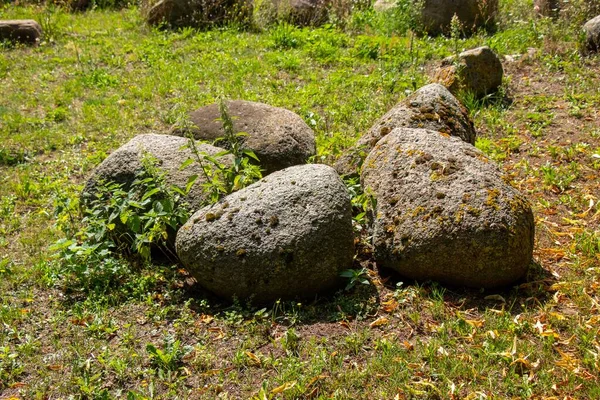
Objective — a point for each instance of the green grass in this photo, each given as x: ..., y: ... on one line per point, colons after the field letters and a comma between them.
x: 102, y: 77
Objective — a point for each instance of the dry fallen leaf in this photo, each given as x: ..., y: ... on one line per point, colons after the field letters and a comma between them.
x: 254, y: 360
x: 284, y: 387
x: 379, y: 322
x: 389, y: 306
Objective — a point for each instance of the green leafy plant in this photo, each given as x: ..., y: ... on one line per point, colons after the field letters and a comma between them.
x: 169, y: 357
x: 117, y: 221
x: 355, y: 277
x: 222, y: 177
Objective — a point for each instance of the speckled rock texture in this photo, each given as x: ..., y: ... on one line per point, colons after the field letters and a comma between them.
x: 431, y: 107
x: 478, y: 71
x: 25, y: 31
x: 125, y: 162
x: 436, y: 15
x: 278, y: 137
x: 444, y: 213
x: 592, y: 34
x: 288, y: 235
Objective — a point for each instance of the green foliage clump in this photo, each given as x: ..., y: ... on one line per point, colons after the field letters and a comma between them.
x: 116, y: 221
x: 223, y: 178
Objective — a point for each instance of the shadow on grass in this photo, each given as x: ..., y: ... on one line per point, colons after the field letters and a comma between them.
x: 532, y: 290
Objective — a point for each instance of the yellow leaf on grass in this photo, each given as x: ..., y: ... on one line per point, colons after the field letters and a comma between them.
x: 254, y: 360
x: 316, y: 379
x: 206, y: 319
x: 284, y: 387
x: 379, y: 322
x: 389, y: 306
x: 476, y: 323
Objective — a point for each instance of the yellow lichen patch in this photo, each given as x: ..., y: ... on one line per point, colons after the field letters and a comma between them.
x: 492, y: 198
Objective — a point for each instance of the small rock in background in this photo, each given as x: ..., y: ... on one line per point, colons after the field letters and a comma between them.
x: 299, y: 12
x: 431, y: 107
x: 436, y: 15
x: 444, y: 212
x: 592, y: 34
x: 25, y: 31
x: 198, y: 13
x: 546, y: 8
x: 278, y: 137
x: 290, y: 234
x: 478, y: 71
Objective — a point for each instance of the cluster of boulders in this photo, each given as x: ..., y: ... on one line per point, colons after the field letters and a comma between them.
x: 443, y: 211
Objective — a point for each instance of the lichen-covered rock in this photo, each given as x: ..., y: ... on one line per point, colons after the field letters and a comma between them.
x: 288, y: 235
x: 444, y: 213
x: 198, y: 13
x: 170, y: 154
x: 478, y: 71
x: 592, y: 34
x: 25, y: 31
x: 278, y: 137
x: 436, y: 15
x: 431, y: 107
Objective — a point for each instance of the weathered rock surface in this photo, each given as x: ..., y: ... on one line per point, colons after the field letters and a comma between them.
x: 478, y: 71
x: 431, y: 107
x: 125, y: 162
x: 278, y: 137
x: 198, y: 13
x: 444, y: 213
x: 592, y: 34
x: 298, y: 12
x: 25, y: 31
x: 473, y: 14
x: 288, y: 235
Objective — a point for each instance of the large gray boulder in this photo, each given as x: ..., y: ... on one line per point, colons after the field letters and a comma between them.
x: 436, y: 15
x: 444, y: 212
x: 278, y: 137
x: 25, y: 31
x: 288, y: 235
x: 592, y: 34
x: 198, y: 13
x: 478, y: 71
x: 170, y: 153
x: 431, y: 107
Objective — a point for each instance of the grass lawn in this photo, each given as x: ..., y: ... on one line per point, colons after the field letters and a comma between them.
x: 101, y: 77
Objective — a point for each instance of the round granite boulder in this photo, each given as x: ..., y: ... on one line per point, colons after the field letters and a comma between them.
x: 170, y: 153
x: 431, y: 107
x: 278, y: 137
x: 444, y: 212
x: 288, y: 235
